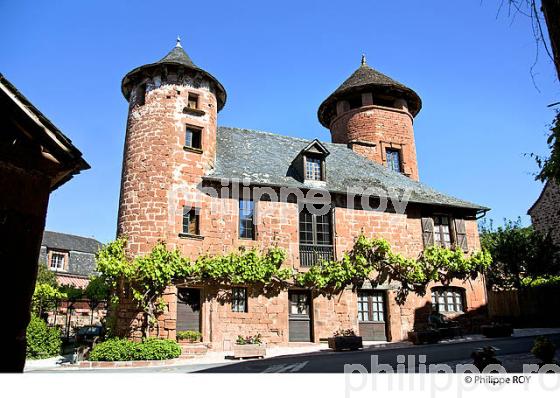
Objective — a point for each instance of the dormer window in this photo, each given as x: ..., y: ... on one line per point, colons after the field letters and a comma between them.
x: 313, y: 168
x: 310, y: 162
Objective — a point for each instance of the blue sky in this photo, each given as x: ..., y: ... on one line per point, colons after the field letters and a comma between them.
x: 278, y: 61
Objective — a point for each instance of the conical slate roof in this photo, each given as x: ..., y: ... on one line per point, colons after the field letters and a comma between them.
x: 179, y: 58
x: 365, y: 78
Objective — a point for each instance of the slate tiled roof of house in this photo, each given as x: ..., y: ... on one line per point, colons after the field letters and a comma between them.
x: 57, y: 240
x: 266, y: 159
x: 367, y: 78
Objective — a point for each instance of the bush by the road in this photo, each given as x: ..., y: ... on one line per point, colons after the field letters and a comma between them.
x: 42, y: 341
x: 125, y: 350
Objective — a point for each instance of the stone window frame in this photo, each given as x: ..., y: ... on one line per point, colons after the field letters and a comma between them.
x: 239, y: 299
x: 395, y: 146
x: 200, y: 132
x: 251, y: 219
x: 187, y: 215
x: 65, y: 259
x: 454, y: 299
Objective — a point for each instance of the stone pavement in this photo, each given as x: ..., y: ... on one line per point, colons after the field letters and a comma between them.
x: 222, y: 357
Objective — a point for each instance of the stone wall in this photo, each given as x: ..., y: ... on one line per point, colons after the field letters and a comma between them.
x: 384, y: 127
x: 545, y: 213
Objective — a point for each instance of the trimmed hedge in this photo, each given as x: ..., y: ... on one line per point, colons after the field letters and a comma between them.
x: 125, y: 350
x: 42, y: 341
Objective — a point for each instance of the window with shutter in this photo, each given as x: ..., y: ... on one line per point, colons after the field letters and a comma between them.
x: 461, y: 234
x: 428, y: 231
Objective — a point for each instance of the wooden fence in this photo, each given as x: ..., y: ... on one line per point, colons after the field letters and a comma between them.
x: 531, y: 307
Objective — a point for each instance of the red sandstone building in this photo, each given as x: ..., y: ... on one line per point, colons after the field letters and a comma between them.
x: 175, y: 153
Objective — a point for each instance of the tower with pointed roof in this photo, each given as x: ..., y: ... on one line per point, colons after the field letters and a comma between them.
x: 170, y: 144
x: 374, y: 115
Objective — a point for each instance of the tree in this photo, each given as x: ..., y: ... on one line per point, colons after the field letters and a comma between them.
x: 46, y: 292
x: 520, y: 255
x: 550, y: 166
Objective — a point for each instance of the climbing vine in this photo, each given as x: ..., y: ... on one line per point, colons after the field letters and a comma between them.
x: 146, y: 277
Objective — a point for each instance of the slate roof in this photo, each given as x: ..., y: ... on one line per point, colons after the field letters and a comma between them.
x: 266, y: 159
x: 57, y: 240
x: 367, y: 78
x: 176, y: 57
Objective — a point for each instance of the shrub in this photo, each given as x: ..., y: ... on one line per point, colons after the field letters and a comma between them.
x: 189, y: 335
x: 544, y: 349
x: 125, y: 350
x: 42, y: 341
x: 113, y: 350
x: 153, y: 348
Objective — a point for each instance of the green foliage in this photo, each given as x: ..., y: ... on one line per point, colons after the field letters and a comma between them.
x: 372, y: 259
x: 72, y: 293
x: 46, y: 291
x: 42, y: 341
x: 520, y: 255
x: 97, y: 289
x: 113, y: 350
x: 544, y: 349
x: 147, y: 277
x: 550, y: 166
x: 553, y: 281
x: 189, y: 335
x: 256, y: 339
x: 157, y: 349
x: 46, y: 276
x: 125, y: 350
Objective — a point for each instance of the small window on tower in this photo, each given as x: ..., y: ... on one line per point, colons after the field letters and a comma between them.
x: 193, y: 137
x: 192, y: 101
x: 141, y: 94
x: 394, y: 159
x: 190, y: 221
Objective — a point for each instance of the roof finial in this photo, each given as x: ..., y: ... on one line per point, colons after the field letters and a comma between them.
x: 363, y: 59
x: 178, y: 42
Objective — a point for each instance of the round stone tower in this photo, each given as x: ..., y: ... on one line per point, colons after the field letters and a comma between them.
x: 170, y: 144
x: 374, y: 114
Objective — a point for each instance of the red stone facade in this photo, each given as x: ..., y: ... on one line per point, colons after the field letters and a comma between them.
x: 371, y: 129
x: 545, y: 213
x: 160, y: 176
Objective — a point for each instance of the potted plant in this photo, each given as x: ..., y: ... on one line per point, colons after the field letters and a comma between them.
x: 189, y: 336
x: 544, y: 349
x: 426, y: 336
x: 497, y: 329
x: 345, y: 340
x: 191, y: 342
x: 249, y: 347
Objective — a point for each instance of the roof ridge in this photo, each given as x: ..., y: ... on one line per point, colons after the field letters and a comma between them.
x: 73, y: 235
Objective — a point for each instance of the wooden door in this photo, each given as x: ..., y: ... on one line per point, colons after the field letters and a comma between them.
x: 188, y: 309
x: 299, y: 324
x: 371, y: 315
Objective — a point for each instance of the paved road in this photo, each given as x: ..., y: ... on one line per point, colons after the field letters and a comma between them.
x: 334, y: 362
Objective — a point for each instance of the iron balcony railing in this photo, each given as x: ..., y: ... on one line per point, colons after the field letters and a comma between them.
x: 312, y: 254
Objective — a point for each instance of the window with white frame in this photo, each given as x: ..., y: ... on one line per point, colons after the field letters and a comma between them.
x: 57, y: 261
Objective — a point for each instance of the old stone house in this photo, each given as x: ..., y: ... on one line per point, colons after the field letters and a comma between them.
x: 71, y: 257
x: 175, y: 154
x: 545, y: 212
